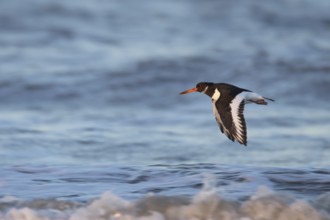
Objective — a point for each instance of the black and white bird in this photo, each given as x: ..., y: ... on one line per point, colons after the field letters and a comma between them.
x: 228, y: 105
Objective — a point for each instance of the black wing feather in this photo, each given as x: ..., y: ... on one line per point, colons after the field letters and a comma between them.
x: 226, y: 123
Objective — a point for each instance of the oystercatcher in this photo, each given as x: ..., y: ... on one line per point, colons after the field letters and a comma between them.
x: 228, y: 105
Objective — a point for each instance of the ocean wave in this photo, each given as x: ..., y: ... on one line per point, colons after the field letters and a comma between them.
x: 264, y: 204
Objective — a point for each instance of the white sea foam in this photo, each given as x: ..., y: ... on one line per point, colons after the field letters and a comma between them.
x: 207, y: 204
x: 22, y: 214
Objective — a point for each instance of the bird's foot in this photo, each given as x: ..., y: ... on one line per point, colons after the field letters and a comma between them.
x: 261, y: 102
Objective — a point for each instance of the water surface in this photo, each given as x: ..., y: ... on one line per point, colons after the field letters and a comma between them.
x: 91, y: 117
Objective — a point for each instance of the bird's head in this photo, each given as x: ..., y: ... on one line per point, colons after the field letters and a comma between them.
x: 200, y: 87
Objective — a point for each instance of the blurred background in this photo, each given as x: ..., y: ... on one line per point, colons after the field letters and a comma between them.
x: 89, y: 102
x: 98, y: 81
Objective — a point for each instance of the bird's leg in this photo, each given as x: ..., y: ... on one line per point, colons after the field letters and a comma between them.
x: 261, y: 102
x: 255, y: 98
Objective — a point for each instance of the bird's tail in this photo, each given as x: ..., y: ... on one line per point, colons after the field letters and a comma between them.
x: 269, y: 99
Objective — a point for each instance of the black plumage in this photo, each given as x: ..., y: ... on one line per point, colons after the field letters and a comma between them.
x: 228, y: 107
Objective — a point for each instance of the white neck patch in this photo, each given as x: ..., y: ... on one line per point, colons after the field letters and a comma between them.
x: 216, y: 95
x: 205, y: 89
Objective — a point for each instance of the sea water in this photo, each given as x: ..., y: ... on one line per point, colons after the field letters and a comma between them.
x: 92, y: 125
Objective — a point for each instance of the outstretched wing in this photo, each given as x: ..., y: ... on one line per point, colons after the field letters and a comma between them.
x: 238, y: 126
x: 223, y: 117
x: 229, y: 115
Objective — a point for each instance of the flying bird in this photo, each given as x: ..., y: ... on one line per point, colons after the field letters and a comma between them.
x: 228, y: 105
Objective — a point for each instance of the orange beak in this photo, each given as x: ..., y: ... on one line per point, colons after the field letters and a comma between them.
x: 189, y: 91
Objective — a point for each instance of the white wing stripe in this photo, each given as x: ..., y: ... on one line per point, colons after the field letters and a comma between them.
x: 234, y: 105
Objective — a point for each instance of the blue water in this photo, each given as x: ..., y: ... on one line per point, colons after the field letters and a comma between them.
x: 91, y: 117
